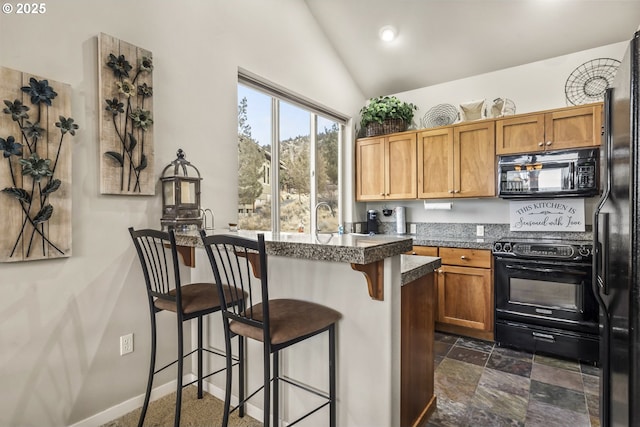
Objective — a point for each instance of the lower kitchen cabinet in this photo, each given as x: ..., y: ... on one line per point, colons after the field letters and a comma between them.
x: 465, y: 303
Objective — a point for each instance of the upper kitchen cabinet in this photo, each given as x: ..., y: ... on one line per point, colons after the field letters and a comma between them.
x: 457, y: 161
x: 571, y: 127
x: 386, y: 167
x: 435, y: 163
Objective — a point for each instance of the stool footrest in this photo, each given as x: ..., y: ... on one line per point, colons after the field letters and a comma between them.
x: 304, y: 387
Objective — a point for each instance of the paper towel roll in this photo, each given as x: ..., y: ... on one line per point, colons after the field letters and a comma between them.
x: 401, y: 224
x: 439, y: 206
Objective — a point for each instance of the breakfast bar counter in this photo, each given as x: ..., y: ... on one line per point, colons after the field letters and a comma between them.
x: 385, y: 337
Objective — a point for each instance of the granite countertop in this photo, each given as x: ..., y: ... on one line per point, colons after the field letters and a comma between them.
x: 416, y: 266
x: 351, y: 248
x: 469, y: 242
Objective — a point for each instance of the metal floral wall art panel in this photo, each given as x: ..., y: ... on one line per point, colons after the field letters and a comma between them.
x: 126, y: 118
x: 35, y: 167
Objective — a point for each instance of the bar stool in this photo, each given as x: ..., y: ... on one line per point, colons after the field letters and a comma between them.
x: 277, y: 323
x: 165, y: 292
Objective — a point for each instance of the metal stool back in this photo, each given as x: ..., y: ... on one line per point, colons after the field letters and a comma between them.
x: 157, y: 252
x: 277, y: 323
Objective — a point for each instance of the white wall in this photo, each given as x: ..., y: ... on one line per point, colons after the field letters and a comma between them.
x: 61, y: 320
x: 533, y: 87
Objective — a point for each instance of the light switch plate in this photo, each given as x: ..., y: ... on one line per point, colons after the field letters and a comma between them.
x: 412, y: 228
x: 480, y: 230
x: 358, y: 227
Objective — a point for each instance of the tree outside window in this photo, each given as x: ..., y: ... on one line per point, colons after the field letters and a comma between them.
x: 301, y: 182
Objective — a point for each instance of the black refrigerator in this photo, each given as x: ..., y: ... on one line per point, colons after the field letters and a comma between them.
x: 617, y: 247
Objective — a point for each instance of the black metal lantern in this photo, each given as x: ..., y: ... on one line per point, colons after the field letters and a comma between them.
x: 180, y: 195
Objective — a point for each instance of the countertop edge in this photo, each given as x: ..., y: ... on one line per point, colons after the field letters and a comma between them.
x: 376, y: 251
x: 417, y: 266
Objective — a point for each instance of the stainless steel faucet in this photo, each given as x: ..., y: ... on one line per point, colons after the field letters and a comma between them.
x: 317, y: 206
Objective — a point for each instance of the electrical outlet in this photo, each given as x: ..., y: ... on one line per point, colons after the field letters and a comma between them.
x: 358, y: 227
x: 412, y: 229
x: 126, y: 344
x: 480, y: 230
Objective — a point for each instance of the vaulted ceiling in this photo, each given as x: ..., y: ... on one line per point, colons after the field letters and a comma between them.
x: 444, y: 40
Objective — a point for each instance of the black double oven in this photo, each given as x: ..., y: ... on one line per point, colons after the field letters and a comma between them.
x: 544, y: 300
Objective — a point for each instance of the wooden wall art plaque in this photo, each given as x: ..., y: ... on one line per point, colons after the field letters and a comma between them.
x: 36, y: 133
x: 126, y: 118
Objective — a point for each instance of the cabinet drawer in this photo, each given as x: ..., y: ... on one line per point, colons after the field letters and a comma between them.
x: 466, y: 257
x: 424, y: 250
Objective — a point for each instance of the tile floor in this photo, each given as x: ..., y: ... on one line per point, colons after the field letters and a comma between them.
x: 480, y: 384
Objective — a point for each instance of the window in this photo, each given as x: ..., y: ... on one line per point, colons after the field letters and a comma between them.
x: 304, y: 144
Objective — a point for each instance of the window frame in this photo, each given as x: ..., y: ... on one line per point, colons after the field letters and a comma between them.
x: 279, y: 94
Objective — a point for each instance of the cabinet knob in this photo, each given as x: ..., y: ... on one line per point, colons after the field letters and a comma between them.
x: 440, y: 271
x: 382, y: 194
x: 413, y: 253
x: 456, y: 191
x: 540, y: 144
x: 549, y: 143
x: 463, y: 257
x: 451, y: 191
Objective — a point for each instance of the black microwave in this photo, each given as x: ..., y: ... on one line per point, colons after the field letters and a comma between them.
x: 550, y: 174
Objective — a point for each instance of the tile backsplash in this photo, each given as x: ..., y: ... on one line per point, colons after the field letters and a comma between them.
x: 491, y: 231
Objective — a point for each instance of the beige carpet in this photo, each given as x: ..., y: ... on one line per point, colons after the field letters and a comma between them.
x: 205, y: 412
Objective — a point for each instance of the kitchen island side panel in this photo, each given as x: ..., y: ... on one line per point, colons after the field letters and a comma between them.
x: 368, y: 342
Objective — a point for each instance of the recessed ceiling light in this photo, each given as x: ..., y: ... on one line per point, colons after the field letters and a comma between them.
x: 388, y: 33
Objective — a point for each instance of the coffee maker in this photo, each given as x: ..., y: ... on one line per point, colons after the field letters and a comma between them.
x: 372, y: 221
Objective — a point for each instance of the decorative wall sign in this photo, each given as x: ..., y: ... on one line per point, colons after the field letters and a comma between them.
x: 547, y: 215
x: 126, y: 118
x: 35, y: 167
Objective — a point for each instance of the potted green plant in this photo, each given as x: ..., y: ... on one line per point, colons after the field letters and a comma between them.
x: 386, y: 114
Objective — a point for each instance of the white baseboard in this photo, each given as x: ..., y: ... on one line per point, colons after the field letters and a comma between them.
x: 127, y: 406
x: 251, y: 410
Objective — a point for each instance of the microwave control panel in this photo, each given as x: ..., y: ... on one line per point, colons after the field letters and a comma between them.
x: 586, y: 175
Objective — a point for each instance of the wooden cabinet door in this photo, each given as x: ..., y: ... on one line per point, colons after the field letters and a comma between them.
x: 465, y: 297
x: 370, y: 169
x: 474, y: 160
x: 435, y: 163
x: 573, y: 128
x: 521, y: 134
x: 400, y: 166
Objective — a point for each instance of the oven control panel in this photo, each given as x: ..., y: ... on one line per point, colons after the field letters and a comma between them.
x: 541, y: 249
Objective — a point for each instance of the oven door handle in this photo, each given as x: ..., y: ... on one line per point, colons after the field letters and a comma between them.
x: 546, y: 270
x: 543, y: 337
